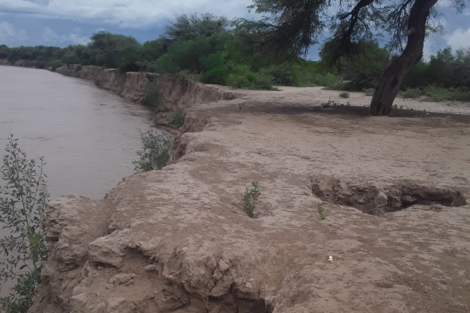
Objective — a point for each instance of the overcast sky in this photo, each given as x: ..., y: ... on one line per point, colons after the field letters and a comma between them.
x: 65, y: 22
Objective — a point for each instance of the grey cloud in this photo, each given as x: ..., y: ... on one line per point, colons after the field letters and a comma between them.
x: 129, y: 14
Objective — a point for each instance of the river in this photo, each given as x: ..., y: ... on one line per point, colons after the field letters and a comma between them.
x: 88, y: 136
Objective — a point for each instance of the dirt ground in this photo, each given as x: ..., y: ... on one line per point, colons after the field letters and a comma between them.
x: 183, y: 240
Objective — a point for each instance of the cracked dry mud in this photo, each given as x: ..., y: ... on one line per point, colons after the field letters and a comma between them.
x: 177, y: 240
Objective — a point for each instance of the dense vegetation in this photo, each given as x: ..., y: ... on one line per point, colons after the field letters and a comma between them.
x: 216, y: 51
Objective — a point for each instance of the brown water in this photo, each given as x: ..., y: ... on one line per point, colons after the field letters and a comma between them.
x: 88, y: 136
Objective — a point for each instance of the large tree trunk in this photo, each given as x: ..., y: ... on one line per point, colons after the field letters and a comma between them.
x: 391, y: 80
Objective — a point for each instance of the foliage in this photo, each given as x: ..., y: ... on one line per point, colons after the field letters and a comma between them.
x: 151, y: 98
x: 23, y: 252
x: 321, y: 212
x: 251, y: 198
x: 362, y: 71
x: 55, y: 64
x: 155, y: 152
x: 113, y: 50
x: 282, y: 75
x: 446, y: 69
x: 4, y: 51
x: 186, y: 28
x: 411, y: 93
x: 177, y: 120
x: 244, y: 78
x: 344, y: 95
x: 436, y: 94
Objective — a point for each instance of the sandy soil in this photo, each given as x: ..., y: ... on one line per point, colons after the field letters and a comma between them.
x: 182, y: 238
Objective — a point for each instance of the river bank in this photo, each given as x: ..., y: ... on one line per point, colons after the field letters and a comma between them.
x: 178, y: 240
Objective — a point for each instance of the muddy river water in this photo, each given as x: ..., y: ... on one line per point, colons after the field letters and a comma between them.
x: 88, y: 136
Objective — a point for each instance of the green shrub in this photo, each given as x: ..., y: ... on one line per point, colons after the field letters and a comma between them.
x: 55, y: 64
x: 344, y: 95
x: 177, y: 120
x: 155, y: 152
x: 152, y: 98
x: 411, y: 93
x: 282, y: 75
x: 164, y: 65
x: 218, y: 76
x: 251, y: 198
x: 243, y: 78
x: 461, y: 94
x: 23, y: 253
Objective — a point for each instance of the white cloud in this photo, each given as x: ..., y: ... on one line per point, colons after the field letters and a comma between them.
x: 460, y: 38
x: 8, y: 33
x: 123, y: 13
x: 51, y: 37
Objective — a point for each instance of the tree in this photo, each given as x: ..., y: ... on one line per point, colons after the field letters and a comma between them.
x: 362, y: 72
x: 190, y: 27
x: 290, y: 27
x: 4, y: 51
x: 114, y: 51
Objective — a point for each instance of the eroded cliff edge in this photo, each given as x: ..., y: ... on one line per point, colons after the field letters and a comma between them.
x: 173, y: 90
x: 177, y: 240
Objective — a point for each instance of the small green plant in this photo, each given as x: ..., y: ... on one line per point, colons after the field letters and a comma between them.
x: 155, y: 152
x: 329, y: 104
x: 151, y: 98
x: 177, y: 120
x: 321, y: 211
x: 23, y: 252
x: 344, y: 95
x: 250, y: 198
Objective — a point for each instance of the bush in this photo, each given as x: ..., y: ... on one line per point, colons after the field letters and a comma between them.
x: 437, y: 94
x: 23, y: 253
x: 411, y: 93
x: 55, y: 64
x: 282, y: 75
x: 218, y: 75
x: 243, y: 78
x: 164, y: 65
x: 155, y: 152
x: 344, y: 95
x: 177, y: 120
x: 152, y: 98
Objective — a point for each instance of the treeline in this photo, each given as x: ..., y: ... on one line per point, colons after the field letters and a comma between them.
x: 206, y: 47
x: 446, y: 76
x: 216, y: 51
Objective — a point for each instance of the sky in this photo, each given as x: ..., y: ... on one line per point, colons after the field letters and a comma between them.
x: 65, y: 22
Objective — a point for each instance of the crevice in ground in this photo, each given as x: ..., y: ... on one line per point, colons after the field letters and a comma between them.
x: 377, y: 200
